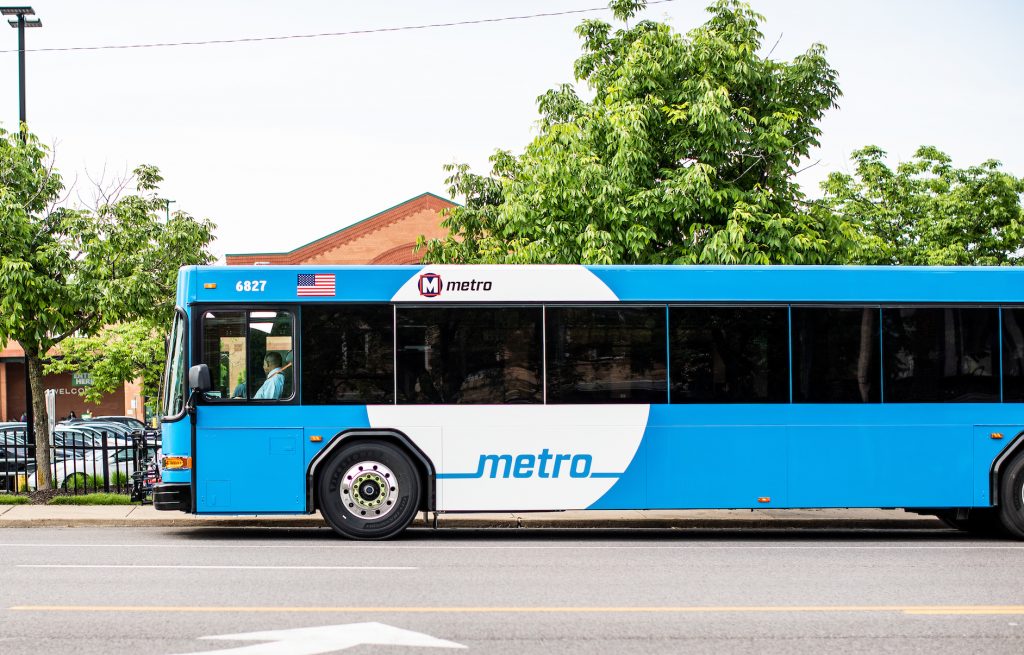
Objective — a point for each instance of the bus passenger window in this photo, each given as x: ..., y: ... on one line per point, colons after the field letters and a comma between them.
x: 940, y: 354
x: 1013, y: 354
x: 606, y: 355
x: 469, y: 355
x: 729, y: 354
x: 836, y: 355
x: 348, y: 355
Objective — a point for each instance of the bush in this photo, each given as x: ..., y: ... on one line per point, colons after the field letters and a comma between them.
x: 81, y: 481
x: 91, y: 499
x: 77, y: 481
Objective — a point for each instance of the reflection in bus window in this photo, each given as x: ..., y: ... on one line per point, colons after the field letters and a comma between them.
x: 729, y: 354
x: 348, y: 355
x: 940, y: 354
x: 836, y: 355
x: 606, y: 355
x: 469, y: 355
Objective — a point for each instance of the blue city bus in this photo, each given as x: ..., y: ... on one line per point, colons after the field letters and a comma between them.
x: 370, y: 393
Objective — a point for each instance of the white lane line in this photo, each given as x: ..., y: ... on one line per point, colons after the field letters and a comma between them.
x: 217, y: 567
x: 382, y: 546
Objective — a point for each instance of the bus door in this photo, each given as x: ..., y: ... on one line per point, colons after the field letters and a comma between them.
x: 248, y: 456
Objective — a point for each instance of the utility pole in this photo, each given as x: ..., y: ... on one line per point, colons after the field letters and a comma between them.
x: 20, y: 23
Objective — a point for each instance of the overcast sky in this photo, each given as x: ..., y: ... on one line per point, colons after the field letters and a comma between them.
x: 282, y: 142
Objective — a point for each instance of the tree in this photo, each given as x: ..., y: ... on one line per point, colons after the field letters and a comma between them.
x: 117, y: 354
x: 69, y: 271
x: 686, y: 154
x: 927, y: 212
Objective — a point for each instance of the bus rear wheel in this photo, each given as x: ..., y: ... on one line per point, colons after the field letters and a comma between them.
x: 1011, y: 497
x: 369, y: 490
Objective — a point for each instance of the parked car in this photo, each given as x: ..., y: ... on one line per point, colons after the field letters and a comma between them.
x: 13, y: 443
x: 91, y: 433
x: 130, y: 421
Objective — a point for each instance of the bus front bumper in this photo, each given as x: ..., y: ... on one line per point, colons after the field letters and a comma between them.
x: 172, y: 497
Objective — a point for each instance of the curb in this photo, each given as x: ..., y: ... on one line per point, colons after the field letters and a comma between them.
x: 512, y: 522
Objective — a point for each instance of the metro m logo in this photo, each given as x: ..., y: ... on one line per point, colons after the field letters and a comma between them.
x: 430, y: 285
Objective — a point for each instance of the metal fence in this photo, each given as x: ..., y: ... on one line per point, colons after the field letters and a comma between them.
x: 84, y: 459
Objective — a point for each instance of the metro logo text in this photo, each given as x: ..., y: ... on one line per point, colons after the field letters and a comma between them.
x: 431, y: 285
x: 543, y: 465
x: 468, y: 285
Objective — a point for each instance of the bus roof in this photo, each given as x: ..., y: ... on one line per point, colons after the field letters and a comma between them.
x: 567, y: 283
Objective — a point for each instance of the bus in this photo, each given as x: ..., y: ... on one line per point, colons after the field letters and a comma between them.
x: 373, y: 393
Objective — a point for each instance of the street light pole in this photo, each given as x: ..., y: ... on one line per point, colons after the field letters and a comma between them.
x: 21, y: 23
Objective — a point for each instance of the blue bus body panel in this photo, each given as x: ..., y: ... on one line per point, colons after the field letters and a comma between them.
x: 838, y: 284
x: 815, y: 456
x: 254, y: 459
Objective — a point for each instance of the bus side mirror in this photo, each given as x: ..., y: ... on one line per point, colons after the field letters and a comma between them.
x: 199, y: 378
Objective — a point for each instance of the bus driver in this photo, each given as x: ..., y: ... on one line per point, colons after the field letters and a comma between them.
x: 274, y: 384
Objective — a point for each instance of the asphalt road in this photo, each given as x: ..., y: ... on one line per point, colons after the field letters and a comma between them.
x: 158, y: 591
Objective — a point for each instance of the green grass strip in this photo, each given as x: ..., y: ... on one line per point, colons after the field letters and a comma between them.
x: 91, y: 499
x: 7, y: 499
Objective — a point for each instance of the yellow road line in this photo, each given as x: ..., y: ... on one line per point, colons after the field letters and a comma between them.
x: 905, y: 609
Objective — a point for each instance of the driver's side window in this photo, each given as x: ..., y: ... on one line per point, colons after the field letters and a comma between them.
x: 250, y: 354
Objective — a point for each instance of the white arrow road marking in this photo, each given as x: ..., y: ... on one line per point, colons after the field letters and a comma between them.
x: 217, y: 567
x: 326, y: 639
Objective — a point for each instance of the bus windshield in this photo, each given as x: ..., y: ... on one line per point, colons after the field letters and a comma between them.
x: 174, y: 387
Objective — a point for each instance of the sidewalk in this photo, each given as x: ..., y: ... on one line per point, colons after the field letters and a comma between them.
x: 121, y: 516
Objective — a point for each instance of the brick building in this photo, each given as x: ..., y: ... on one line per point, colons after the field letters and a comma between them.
x: 387, y: 237
x: 126, y: 401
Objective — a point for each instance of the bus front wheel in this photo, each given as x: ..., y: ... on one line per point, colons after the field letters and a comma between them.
x: 369, y: 490
x: 1011, y: 497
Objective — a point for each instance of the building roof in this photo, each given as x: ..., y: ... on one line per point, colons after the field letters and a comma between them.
x: 11, y: 349
x: 346, y: 235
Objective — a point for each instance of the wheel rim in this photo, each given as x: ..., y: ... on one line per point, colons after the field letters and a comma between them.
x: 369, y: 490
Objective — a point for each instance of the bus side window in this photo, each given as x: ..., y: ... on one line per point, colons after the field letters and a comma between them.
x: 270, y: 366
x: 348, y: 354
x: 940, y: 354
x: 606, y: 354
x: 223, y: 348
x: 729, y: 354
x: 469, y: 355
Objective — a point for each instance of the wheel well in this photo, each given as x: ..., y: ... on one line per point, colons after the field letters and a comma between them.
x: 1016, y: 446
x: 396, y: 438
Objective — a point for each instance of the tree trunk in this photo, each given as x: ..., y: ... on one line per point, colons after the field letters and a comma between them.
x: 42, y: 423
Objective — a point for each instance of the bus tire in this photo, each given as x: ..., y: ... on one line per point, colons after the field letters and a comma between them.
x: 1011, y: 497
x: 369, y: 490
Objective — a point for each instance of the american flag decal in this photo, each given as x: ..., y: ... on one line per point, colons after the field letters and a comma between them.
x: 315, y: 284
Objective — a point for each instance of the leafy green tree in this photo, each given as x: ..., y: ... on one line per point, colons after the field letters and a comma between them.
x: 68, y: 271
x: 117, y: 354
x: 686, y: 153
x: 927, y: 212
